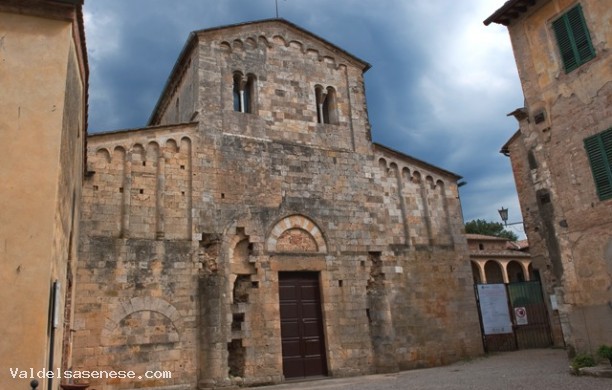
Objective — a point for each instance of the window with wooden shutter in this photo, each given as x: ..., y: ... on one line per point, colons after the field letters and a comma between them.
x: 573, y: 39
x: 599, y: 150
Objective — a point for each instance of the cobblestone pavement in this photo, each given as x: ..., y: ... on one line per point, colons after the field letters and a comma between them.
x: 528, y: 369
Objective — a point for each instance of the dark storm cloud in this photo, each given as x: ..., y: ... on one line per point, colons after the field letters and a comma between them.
x: 439, y: 88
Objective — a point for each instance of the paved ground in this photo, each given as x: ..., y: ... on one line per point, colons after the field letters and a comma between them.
x: 529, y: 369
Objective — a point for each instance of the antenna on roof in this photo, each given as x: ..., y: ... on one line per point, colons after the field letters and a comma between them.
x: 276, y: 2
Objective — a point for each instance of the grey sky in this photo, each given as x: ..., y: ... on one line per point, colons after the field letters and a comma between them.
x: 439, y: 89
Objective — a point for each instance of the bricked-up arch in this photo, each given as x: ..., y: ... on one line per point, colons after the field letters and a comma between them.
x: 305, y: 232
x: 133, y: 308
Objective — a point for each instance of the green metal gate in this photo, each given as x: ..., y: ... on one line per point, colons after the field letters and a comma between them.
x: 526, y: 310
x: 531, y: 330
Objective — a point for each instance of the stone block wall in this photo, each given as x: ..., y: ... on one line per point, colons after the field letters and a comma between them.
x: 136, y: 310
x: 140, y: 186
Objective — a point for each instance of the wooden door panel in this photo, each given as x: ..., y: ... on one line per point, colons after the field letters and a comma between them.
x: 301, y: 325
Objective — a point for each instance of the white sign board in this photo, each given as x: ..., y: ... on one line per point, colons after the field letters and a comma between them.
x: 521, y: 315
x: 494, y: 309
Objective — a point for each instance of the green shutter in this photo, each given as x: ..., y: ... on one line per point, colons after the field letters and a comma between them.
x: 573, y: 39
x: 599, y: 151
x: 582, y: 40
x: 564, y: 41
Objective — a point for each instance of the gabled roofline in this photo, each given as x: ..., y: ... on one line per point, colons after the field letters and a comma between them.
x: 191, y: 42
x: 365, y: 65
x: 409, y: 158
x: 189, y: 45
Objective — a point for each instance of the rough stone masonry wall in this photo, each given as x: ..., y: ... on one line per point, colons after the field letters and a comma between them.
x: 424, y: 282
x: 356, y: 203
x: 566, y: 221
x: 524, y: 168
x: 209, y: 309
x: 137, y: 295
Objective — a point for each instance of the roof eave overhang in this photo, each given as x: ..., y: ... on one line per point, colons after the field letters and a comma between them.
x: 505, y: 150
x: 511, y: 10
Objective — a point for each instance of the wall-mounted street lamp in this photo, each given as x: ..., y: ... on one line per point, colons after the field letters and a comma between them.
x: 503, y: 213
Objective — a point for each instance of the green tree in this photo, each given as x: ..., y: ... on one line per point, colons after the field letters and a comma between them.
x: 480, y: 226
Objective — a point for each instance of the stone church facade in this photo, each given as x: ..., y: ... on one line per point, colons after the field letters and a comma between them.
x: 253, y: 233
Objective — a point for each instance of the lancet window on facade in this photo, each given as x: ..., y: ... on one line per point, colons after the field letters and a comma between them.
x: 244, y: 92
x: 326, y: 105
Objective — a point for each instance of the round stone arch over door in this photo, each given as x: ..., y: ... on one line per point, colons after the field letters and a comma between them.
x: 296, y: 233
x: 297, y: 248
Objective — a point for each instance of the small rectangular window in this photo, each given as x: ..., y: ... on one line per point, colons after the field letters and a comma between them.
x: 573, y: 39
x: 599, y: 151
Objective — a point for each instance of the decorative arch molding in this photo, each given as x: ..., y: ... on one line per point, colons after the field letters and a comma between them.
x: 251, y: 43
x: 298, y: 223
x: 412, y: 174
x: 242, y: 44
x: 225, y: 46
x: 173, y: 144
x: 103, y: 155
x: 382, y: 164
x: 129, y: 307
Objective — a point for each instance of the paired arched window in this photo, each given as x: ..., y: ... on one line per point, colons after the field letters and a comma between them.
x: 327, y: 111
x: 244, y: 92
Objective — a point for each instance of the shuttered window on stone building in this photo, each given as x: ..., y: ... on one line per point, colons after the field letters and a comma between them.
x: 599, y: 150
x: 573, y: 39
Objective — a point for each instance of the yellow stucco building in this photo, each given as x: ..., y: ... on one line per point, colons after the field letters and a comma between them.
x: 43, y: 98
